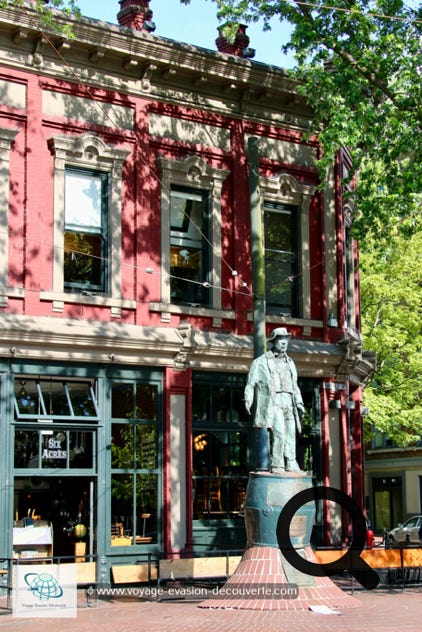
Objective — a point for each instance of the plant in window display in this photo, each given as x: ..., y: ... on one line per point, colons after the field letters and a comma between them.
x: 134, y: 460
x: 134, y: 446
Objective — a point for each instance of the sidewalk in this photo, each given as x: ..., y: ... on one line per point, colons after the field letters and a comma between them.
x: 386, y: 610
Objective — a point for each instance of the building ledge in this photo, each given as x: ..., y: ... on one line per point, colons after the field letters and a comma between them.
x: 10, y: 292
x: 60, y: 298
x: 393, y: 451
x: 166, y: 309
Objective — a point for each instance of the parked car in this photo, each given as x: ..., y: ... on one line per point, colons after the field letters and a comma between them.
x: 406, y: 532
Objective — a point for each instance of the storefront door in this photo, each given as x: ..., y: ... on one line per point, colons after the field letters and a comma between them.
x: 55, y: 456
x: 56, y: 508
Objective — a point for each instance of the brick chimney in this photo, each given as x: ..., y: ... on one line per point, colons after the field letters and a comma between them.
x: 136, y: 15
x: 240, y: 46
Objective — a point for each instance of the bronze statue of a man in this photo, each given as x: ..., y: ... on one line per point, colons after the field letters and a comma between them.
x: 272, y: 387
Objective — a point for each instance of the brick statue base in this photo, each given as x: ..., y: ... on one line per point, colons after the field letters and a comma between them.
x: 264, y: 579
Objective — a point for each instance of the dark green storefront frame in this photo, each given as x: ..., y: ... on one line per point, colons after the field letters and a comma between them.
x: 104, y: 375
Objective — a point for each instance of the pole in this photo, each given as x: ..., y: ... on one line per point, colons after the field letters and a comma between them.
x: 262, y: 449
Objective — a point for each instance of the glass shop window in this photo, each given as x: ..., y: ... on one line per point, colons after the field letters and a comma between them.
x: 135, y: 463
x: 55, y: 399
x: 219, y: 447
x: 51, y: 449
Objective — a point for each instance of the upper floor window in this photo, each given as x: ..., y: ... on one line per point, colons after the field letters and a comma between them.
x: 348, y: 191
x: 85, y: 231
x: 286, y: 204
x: 189, y: 256
x: 281, y: 258
x: 87, y: 217
x: 191, y: 232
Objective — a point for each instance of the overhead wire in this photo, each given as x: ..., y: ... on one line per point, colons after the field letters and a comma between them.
x: 147, y: 269
x: 152, y: 271
x: 140, y: 156
x: 354, y: 11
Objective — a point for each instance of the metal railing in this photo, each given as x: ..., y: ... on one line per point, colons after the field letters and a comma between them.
x: 7, y: 565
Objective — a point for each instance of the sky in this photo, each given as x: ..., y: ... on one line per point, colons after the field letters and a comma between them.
x: 197, y: 24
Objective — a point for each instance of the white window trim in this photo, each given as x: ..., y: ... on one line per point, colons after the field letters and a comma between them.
x: 195, y: 173
x: 7, y: 136
x: 285, y: 189
x: 91, y: 152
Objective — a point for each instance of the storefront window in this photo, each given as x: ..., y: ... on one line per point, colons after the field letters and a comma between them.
x: 134, y: 509
x: 219, y: 448
x: 135, y: 464
x: 54, y: 399
x: 131, y: 401
x: 220, y: 474
x: 135, y: 443
x: 35, y: 449
x: 388, y: 502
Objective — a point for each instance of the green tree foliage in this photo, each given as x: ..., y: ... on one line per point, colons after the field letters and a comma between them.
x: 46, y: 10
x: 391, y: 289
x: 359, y: 63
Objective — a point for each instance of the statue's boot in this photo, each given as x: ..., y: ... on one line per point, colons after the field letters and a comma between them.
x: 277, y: 470
x: 292, y: 466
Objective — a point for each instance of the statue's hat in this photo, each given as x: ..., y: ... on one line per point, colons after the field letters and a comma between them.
x: 279, y: 332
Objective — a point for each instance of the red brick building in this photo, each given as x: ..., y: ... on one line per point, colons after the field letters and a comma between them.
x: 125, y: 285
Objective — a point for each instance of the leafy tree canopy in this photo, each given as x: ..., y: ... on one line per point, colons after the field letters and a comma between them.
x: 359, y: 63
x: 45, y: 10
x: 391, y: 293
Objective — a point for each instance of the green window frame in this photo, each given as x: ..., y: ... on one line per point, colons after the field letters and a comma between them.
x: 55, y: 425
x: 135, y: 463
x: 220, y: 446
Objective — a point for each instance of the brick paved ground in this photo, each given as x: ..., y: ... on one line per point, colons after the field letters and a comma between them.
x: 386, y: 610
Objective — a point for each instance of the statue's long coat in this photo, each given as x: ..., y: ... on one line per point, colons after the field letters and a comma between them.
x: 261, y: 386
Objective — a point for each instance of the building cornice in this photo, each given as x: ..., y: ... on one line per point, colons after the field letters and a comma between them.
x: 136, y: 62
x: 26, y: 338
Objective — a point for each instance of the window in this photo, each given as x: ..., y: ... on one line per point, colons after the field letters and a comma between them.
x: 387, y: 501
x: 87, y: 238
x: 219, y: 447
x: 189, y: 257
x: 135, y: 463
x: 286, y: 204
x: 55, y: 422
x: 37, y: 399
x: 348, y: 195
x: 281, y: 261
x: 190, y: 232
x: 86, y: 231
x: 50, y: 449
x: 7, y: 136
